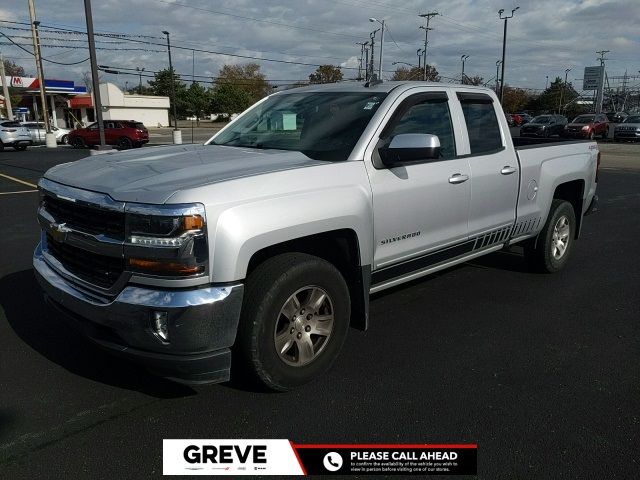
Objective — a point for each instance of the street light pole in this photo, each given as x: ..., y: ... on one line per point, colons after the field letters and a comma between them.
x: 97, y: 104
x: 463, y: 58
x: 498, y: 63
x: 177, y: 134
x: 381, y: 45
x: 419, y: 54
x: 504, y: 47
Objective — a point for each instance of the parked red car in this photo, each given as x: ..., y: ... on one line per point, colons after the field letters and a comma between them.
x: 588, y: 126
x: 122, y: 133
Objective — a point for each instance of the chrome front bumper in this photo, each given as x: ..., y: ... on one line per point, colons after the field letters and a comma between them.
x: 202, y: 323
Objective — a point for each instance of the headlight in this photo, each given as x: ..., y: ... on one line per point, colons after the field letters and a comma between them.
x: 166, y: 240
x: 585, y: 128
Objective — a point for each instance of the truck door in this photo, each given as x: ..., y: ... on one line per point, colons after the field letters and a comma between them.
x: 495, y: 174
x: 420, y: 208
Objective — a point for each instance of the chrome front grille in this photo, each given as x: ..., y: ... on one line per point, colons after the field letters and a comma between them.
x: 100, y: 270
x: 85, y: 218
x: 84, y: 235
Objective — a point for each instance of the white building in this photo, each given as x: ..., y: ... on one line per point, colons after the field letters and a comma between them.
x: 116, y: 105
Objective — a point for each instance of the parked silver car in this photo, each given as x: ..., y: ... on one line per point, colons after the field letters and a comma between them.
x: 39, y: 132
x: 629, y: 129
x: 12, y: 134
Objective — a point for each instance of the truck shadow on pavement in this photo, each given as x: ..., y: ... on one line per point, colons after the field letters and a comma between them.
x: 41, y: 327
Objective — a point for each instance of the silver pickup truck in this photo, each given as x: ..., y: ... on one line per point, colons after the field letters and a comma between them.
x: 264, y: 244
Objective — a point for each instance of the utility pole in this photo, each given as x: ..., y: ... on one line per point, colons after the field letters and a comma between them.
x: 362, y: 45
x: 504, y: 47
x: 50, y: 138
x: 97, y: 104
x: 600, y: 95
x: 5, y: 90
x: 371, y: 62
x: 177, y: 134
x: 546, y: 85
x: 498, y: 63
x: 381, y: 46
x: 419, y: 54
x: 366, y: 63
x: 140, y: 70
x: 564, y: 85
x: 426, y: 40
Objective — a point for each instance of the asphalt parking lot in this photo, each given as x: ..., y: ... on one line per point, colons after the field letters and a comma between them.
x: 541, y: 371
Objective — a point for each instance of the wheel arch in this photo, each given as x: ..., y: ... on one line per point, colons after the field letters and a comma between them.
x: 572, y: 192
x: 340, y: 248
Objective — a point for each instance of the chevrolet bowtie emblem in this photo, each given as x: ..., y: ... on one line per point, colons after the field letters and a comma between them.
x: 59, y: 231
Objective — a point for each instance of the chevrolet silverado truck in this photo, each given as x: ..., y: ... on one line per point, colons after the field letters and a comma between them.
x: 262, y: 246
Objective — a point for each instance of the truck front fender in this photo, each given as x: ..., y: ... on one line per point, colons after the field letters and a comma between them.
x: 245, y: 229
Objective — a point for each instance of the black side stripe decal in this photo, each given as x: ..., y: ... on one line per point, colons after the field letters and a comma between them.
x: 499, y: 235
x: 419, y: 263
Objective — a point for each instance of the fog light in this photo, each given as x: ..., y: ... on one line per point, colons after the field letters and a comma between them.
x: 161, y: 325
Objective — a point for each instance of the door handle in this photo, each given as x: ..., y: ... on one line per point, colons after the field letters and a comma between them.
x: 458, y: 178
x: 507, y: 170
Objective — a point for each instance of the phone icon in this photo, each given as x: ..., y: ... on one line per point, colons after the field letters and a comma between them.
x: 332, y: 461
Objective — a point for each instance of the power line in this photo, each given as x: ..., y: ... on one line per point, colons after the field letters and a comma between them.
x: 235, y: 55
x: 261, y: 20
x: 119, y: 40
x: 33, y: 54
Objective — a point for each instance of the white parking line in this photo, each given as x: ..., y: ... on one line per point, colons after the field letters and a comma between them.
x: 8, y: 177
x: 19, y: 191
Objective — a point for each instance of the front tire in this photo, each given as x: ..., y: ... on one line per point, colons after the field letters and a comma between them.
x: 64, y: 140
x: 294, y: 320
x: 549, y: 252
x: 77, y: 142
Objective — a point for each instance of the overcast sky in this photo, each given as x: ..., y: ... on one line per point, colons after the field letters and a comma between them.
x: 544, y: 38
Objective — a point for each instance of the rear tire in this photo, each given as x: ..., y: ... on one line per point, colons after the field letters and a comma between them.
x: 294, y: 320
x: 549, y: 252
x: 64, y: 140
x: 124, y: 143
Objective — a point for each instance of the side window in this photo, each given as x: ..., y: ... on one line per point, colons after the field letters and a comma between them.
x: 432, y: 116
x: 482, y: 123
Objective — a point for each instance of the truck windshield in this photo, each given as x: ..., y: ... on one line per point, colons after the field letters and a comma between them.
x: 323, y: 126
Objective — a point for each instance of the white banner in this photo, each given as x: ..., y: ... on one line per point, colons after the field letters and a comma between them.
x: 229, y: 457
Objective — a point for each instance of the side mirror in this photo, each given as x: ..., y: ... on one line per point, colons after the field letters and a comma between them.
x: 410, y: 148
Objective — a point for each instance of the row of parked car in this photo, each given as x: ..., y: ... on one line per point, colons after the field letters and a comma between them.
x: 590, y: 125
x: 121, y: 133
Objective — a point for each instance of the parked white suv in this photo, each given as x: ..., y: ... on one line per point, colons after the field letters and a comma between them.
x: 12, y: 134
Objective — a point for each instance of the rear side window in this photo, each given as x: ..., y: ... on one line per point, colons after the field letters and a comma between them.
x: 482, y: 123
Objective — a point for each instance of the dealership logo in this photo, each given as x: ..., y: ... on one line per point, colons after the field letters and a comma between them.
x: 221, y: 454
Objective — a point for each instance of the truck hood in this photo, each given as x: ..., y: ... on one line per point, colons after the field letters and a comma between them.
x: 152, y: 175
